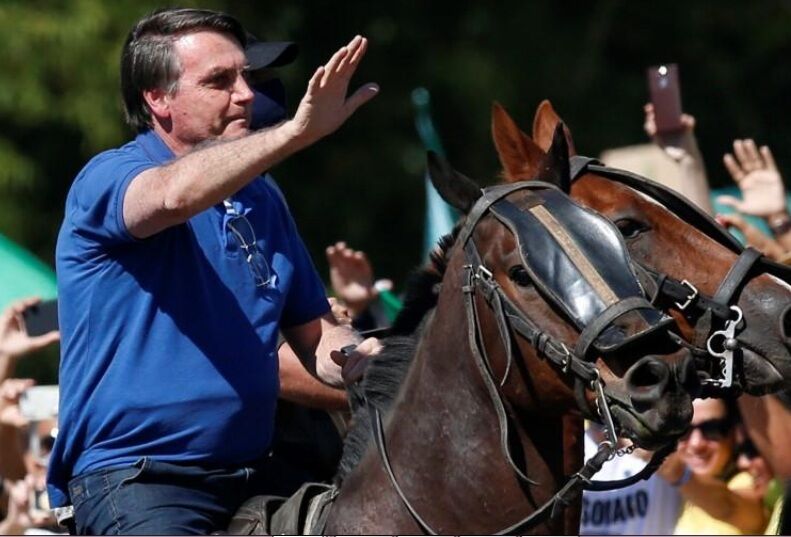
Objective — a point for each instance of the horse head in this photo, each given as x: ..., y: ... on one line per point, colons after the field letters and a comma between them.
x: 726, y: 300
x: 552, y: 284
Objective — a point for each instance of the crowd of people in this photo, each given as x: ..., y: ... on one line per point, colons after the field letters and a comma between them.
x: 178, y: 259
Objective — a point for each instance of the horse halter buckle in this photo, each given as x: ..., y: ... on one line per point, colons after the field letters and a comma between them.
x: 691, y: 297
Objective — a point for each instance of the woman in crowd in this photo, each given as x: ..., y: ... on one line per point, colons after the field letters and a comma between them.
x: 720, y: 499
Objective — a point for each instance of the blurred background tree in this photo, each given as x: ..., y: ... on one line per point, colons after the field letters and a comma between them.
x: 59, y: 100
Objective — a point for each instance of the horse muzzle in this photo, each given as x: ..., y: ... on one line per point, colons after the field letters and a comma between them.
x: 660, y: 393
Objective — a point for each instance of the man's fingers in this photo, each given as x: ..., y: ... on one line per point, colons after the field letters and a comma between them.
x: 331, y: 66
x: 361, y: 96
x: 357, y: 54
x: 352, y: 52
x: 315, y: 81
x: 741, y: 154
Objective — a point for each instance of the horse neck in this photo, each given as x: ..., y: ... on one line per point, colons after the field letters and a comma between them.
x: 444, y: 441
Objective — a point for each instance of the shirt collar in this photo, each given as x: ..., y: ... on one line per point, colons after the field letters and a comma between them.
x: 154, y: 147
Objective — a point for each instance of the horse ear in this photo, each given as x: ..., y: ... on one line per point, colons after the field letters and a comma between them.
x: 544, y: 124
x: 556, y: 164
x: 458, y: 190
x: 519, y: 155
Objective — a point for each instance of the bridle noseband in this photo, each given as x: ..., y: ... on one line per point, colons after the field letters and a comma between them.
x: 706, y: 313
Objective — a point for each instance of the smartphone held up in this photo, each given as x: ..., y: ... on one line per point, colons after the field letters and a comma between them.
x: 41, y: 318
x: 664, y: 88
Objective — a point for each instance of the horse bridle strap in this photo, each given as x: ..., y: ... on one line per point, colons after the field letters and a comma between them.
x: 676, y: 204
x: 684, y: 294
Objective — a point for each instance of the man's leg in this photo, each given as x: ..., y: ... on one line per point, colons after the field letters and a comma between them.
x: 157, y: 498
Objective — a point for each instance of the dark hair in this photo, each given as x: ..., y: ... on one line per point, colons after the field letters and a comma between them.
x: 148, y: 60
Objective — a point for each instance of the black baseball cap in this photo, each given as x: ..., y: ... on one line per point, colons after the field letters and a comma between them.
x: 261, y: 54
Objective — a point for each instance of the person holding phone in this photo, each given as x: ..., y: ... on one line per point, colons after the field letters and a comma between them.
x: 15, y: 341
x: 17, y: 474
x: 682, y: 148
x: 178, y: 264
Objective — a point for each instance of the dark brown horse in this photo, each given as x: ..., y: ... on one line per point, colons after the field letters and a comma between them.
x: 486, y: 426
x: 699, y: 263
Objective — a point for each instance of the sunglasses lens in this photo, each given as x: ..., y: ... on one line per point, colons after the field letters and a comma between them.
x: 710, y: 430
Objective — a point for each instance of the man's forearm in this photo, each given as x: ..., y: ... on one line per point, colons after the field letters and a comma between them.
x: 314, y: 341
x: 299, y: 386
x: 168, y: 195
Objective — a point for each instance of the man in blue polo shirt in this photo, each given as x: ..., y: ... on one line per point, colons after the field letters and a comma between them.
x: 177, y: 264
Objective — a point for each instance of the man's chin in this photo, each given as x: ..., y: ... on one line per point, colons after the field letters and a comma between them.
x: 236, y: 128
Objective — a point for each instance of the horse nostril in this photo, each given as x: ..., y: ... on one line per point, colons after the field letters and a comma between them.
x: 647, y: 379
x: 785, y: 324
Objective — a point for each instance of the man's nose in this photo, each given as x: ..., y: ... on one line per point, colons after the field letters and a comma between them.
x: 242, y: 91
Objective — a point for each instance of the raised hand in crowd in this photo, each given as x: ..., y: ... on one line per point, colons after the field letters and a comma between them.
x: 757, y: 176
x: 10, y: 392
x: 352, y: 277
x: 20, y: 517
x: 682, y: 147
x: 763, y: 193
x: 14, y: 339
x: 678, y: 146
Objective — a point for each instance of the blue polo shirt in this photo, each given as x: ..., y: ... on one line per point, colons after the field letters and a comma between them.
x: 167, y: 345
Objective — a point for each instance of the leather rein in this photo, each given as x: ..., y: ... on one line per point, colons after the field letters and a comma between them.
x: 706, y: 312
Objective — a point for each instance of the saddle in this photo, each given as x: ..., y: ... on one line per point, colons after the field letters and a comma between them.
x: 304, y: 513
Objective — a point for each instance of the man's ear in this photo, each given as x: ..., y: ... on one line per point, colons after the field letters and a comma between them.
x: 158, y: 103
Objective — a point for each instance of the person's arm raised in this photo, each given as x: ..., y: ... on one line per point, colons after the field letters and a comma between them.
x: 168, y: 195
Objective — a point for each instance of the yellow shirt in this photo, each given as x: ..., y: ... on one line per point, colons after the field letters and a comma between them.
x: 696, y: 521
x: 774, y: 501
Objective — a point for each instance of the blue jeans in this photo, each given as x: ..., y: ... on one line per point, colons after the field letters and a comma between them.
x: 158, y: 498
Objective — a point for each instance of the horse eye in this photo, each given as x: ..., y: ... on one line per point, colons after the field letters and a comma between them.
x: 630, y: 228
x: 519, y: 275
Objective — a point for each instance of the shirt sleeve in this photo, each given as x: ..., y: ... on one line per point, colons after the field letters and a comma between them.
x: 98, y: 194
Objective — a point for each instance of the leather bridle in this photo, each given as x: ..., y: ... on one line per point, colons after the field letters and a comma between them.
x: 510, y: 319
x: 706, y: 313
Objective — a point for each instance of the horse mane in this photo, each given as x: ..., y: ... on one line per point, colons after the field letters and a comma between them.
x: 386, y: 371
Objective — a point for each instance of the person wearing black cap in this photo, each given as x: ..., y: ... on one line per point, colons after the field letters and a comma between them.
x: 178, y: 263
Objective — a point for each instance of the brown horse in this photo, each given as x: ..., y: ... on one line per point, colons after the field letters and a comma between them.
x: 486, y: 425
x: 699, y: 262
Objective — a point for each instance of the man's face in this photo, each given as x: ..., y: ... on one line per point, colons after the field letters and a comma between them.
x: 212, y: 99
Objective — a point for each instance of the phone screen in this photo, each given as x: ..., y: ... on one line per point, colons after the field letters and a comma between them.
x: 663, y: 84
x: 41, y: 318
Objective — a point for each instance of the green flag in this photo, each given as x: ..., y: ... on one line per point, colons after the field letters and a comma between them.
x: 440, y: 217
x: 22, y: 274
